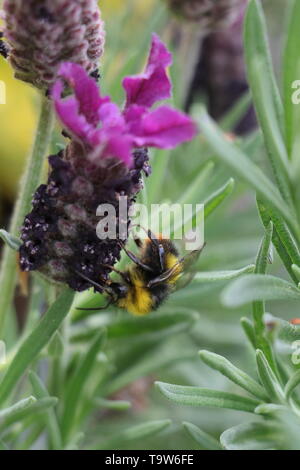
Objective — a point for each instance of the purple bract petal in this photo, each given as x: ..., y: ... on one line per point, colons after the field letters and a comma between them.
x: 164, y: 128
x: 154, y: 84
x: 69, y: 114
x: 86, y: 91
x: 104, y: 129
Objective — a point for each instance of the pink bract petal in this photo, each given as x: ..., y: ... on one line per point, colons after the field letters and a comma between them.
x: 164, y: 128
x: 154, y: 84
x: 69, y: 114
x: 86, y: 91
x: 113, y: 144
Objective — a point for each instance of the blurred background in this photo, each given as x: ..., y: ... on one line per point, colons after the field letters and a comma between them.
x: 232, y: 234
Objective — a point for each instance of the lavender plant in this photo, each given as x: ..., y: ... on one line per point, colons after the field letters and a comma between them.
x: 78, y: 379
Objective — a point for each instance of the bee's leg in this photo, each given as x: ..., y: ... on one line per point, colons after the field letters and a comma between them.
x: 160, y: 249
x: 135, y: 259
x: 104, y: 307
x: 153, y: 238
x: 103, y: 288
x: 138, y: 242
x: 124, y: 275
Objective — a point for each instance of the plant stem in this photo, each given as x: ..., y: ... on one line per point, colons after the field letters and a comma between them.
x: 30, y: 182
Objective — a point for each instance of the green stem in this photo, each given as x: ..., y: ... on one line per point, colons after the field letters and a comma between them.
x: 30, y: 182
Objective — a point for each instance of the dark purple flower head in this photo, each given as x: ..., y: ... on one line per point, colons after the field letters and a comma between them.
x: 107, y: 131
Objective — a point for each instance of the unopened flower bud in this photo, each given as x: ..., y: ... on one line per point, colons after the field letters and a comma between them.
x: 43, y: 33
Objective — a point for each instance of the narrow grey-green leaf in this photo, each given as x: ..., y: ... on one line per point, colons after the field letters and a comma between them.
x: 249, y: 330
x: 291, y: 72
x: 293, y: 382
x: 216, y: 199
x: 77, y: 383
x: 134, y: 434
x: 53, y: 427
x: 35, y: 342
x: 248, y: 171
x: 214, y: 276
x: 269, y: 409
x: 27, y: 410
x: 251, y: 436
x: 13, y: 242
x: 191, y: 195
x: 268, y: 378
x: 252, y: 287
x: 237, y: 376
x: 195, y: 396
x: 116, y: 405
x: 205, y: 440
x: 283, y: 249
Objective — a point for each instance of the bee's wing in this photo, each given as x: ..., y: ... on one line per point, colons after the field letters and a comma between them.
x: 184, y: 264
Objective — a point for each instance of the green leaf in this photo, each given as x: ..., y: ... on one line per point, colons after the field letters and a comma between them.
x: 195, y: 396
x: 191, y: 195
x: 160, y: 325
x: 291, y: 72
x: 134, y: 434
x: 252, y: 287
x: 268, y: 378
x: 256, y: 39
x: 56, y: 345
x: 266, y: 95
x: 17, y: 407
x: 77, y: 384
x: 269, y: 409
x: 282, y: 238
x: 24, y: 409
x: 41, y: 392
x: 13, y: 242
x: 293, y: 382
x: 35, y: 342
x: 251, y: 436
x: 205, y: 441
x: 216, y: 199
x: 286, y: 331
x: 75, y: 442
x: 236, y: 112
x: 262, y: 260
x: 215, y: 276
x: 243, y: 167
x: 263, y: 255
x: 116, y: 405
x: 237, y: 376
x: 164, y: 322
x: 296, y: 271
x: 249, y: 330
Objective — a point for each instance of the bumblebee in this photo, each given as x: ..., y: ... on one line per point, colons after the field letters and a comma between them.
x: 151, y: 278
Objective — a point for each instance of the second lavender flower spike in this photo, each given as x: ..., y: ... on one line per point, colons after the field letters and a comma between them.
x: 41, y: 34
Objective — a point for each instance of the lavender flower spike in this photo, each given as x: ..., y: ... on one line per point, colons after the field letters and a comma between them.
x: 41, y: 34
x: 103, y: 162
